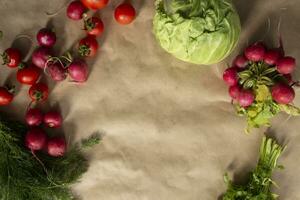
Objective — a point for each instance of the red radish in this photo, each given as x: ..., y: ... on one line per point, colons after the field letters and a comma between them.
x: 271, y: 57
x: 288, y: 78
x: 230, y: 76
x: 34, y: 117
x: 35, y: 139
x: 246, y: 98
x: 28, y: 75
x: 94, y: 26
x: 255, y: 52
x: 53, y: 119
x: 88, y: 46
x: 56, y: 147
x: 286, y: 65
x: 240, y: 61
x: 38, y: 92
x: 234, y: 91
x: 56, y: 71
x: 11, y: 57
x: 40, y: 56
x: 78, y: 70
x: 46, y: 37
x: 76, y: 10
x: 283, y: 93
x: 6, y: 95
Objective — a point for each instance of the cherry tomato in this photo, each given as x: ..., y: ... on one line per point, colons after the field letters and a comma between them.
x: 95, y: 4
x: 28, y: 75
x: 39, y: 92
x: 88, y: 46
x: 11, y: 57
x: 94, y: 26
x: 6, y: 96
x: 125, y: 13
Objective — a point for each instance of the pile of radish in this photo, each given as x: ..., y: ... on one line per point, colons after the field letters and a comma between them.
x: 36, y: 138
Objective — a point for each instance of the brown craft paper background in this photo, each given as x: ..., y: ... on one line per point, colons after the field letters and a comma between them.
x: 169, y: 130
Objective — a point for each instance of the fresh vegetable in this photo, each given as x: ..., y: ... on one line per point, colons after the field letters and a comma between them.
x: 283, y: 93
x: 78, y: 70
x: 198, y: 31
x: 88, y: 46
x: 94, y: 26
x: 28, y: 75
x: 230, y: 76
x: 53, y: 119
x: 40, y: 56
x: 258, y: 90
x: 76, y: 10
x: 286, y: 65
x: 46, y: 37
x: 6, y: 96
x: 38, y: 92
x: 27, y: 177
x: 258, y: 186
x: 56, y: 71
x: 124, y: 13
x: 11, y: 57
x: 56, y: 147
x: 34, y: 117
x: 35, y: 139
x: 95, y: 4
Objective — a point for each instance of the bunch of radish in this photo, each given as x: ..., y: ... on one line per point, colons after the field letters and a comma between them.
x: 278, y: 66
x: 36, y: 138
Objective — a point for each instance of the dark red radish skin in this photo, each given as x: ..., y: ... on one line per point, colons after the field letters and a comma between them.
x: 272, y: 56
x: 283, y: 93
x: 46, y: 37
x: 56, y: 71
x: 34, y: 117
x: 234, y: 91
x: 38, y: 92
x: 35, y: 139
x: 246, y: 98
x: 286, y: 65
x: 40, y: 56
x: 230, y: 76
x: 240, y: 61
x: 56, y: 147
x: 76, y: 10
x: 78, y: 71
x: 255, y: 52
x: 11, y: 57
x: 53, y: 119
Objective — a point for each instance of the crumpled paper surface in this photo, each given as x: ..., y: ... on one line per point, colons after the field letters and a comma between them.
x: 169, y: 131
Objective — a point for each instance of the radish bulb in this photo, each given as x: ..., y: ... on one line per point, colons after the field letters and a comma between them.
x: 271, y: 57
x: 76, y: 10
x: 246, y: 98
x: 230, y: 76
x: 40, y: 56
x: 56, y: 147
x: 78, y: 70
x: 283, y: 93
x: 234, y: 91
x: 46, y: 37
x: 286, y: 65
x: 240, y: 61
x: 53, y: 119
x: 34, y: 117
x: 255, y: 52
x: 56, y: 71
x: 35, y: 139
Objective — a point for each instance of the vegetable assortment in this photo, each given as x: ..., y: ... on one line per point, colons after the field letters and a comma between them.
x: 260, y: 84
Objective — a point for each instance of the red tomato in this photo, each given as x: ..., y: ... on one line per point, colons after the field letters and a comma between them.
x: 11, y: 57
x: 125, y: 13
x: 94, y: 26
x: 28, y: 75
x: 88, y: 46
x: 6, y: 96
x: 95, y: 4
x: 39, y: 92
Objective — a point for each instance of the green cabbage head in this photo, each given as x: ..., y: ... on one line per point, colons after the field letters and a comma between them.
x: 197, y: 31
